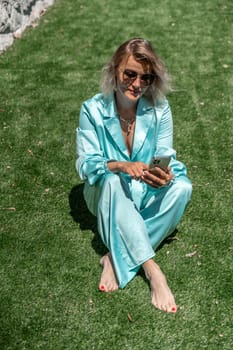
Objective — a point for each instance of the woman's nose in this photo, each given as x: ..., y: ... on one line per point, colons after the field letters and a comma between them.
x: 137, y: 82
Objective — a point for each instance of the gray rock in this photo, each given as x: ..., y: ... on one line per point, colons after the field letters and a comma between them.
x: 16, y: 16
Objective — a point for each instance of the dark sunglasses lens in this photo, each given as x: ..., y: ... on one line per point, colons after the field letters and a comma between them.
x: 130, y: 74
x: 147, y: 78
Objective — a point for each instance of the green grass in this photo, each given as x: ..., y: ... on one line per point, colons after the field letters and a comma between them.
x: 49, y: 250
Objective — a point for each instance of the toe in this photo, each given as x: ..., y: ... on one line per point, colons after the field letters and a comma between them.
x: 102, y: 288
x: 173, y: 309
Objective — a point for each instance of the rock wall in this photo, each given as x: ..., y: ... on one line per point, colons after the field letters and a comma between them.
x: 16, y: 16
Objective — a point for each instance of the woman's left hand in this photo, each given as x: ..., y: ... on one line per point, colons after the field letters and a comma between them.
x: 157, y: 177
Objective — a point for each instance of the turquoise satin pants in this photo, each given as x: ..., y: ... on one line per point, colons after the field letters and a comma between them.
x: 133, y: 218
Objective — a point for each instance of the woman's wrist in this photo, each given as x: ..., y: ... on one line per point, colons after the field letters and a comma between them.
x: 114, y: 166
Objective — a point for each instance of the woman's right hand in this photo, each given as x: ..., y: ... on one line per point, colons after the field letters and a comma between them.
x: 134, y: 169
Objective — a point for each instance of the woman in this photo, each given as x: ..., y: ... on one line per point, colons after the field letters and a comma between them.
x: 119, y: 133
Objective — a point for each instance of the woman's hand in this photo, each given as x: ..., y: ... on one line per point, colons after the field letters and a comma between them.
x: 134, y: 169
x: 157, y: 177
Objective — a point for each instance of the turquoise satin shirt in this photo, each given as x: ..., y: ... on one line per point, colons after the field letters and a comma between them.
x: 99, y: 136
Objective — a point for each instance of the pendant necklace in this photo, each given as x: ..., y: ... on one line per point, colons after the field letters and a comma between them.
x: 128, y: 122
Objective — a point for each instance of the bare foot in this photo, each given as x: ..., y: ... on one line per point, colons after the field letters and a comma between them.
x: 161, y: 295
x: 108, y: 282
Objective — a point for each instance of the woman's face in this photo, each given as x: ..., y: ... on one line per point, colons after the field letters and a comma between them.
x: 133, y: 78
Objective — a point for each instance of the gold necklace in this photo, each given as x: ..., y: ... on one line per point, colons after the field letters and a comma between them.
x: 128, y: 122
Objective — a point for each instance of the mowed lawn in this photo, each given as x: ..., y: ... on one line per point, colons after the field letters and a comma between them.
x: 49, y: 247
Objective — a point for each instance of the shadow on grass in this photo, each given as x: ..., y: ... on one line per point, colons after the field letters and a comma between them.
x: 86, y: 221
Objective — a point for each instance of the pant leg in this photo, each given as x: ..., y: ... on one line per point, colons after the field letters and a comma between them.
x: 163, y: 210
x: 122, y: 229
x: 130, y: 234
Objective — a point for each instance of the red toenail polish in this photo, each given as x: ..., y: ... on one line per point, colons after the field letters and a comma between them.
x: 173, y: 309
x: 101, y: 288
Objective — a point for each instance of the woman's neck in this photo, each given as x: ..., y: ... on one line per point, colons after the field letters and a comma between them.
x: 125, y: 108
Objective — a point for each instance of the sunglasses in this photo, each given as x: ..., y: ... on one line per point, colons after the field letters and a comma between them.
x: 129, y: 76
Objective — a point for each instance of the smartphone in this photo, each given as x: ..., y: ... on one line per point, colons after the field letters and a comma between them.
x: 161, y: 162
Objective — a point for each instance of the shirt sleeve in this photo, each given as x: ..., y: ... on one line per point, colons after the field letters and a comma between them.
x: 91, y: 163
x: 165, y: 134
x: 165, y: 142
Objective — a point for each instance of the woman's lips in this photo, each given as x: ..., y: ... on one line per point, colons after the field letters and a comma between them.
x: 135, y: 92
